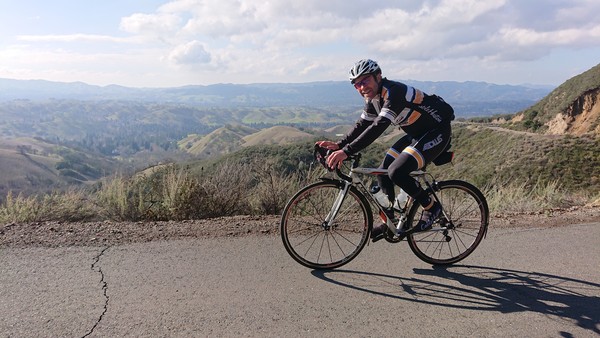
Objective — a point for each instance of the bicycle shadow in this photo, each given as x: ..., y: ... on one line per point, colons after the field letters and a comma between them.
x: 484, y: 289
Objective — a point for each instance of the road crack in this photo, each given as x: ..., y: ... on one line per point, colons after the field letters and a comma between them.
x: 96, y: 267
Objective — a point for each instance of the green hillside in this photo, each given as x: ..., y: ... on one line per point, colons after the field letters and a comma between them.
x: 559, y: 99
x: 495, y: 156
x: 31, y: 166
x: 276, y: 135
x: 221, y: 141
x: 486, y: 156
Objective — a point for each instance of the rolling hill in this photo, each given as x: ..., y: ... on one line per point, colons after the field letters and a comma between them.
x: 76, y: 137
x: 231, y: 138
x: 224, y: 140
x: 31, y: 166
x: 572, y: 108
x: 281, y: 135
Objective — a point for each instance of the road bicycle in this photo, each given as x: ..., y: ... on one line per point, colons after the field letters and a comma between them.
x: 327, y: 223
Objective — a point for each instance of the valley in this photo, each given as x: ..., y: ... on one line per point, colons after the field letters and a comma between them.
x: 62, y: 136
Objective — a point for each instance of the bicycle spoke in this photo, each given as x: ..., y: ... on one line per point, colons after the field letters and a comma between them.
x: 317, y: 243
x: 467, y: 215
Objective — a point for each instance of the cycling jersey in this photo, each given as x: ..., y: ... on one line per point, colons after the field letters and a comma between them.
x: 415, y: 112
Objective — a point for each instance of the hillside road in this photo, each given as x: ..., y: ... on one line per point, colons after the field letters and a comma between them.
x: 535, y: 282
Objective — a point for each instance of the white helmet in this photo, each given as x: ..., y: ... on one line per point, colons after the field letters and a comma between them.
x: 362, y: 67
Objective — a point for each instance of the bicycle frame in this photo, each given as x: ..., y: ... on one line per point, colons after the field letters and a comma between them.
x: 354, y: 178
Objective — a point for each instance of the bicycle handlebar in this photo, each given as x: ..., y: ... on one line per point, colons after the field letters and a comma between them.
x: 320, y: 154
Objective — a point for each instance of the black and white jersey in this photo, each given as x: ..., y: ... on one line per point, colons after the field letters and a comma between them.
x: 414, y: 111
x: 409, y: 108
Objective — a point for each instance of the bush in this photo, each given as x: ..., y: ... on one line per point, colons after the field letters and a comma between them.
x: 121, y: 199
x: 172, y: 193
x: 225, y: 192
x: 273, y: 188
x: 70, y: 206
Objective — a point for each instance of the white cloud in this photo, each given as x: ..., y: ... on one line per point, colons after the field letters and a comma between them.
x: 191, y: 53
x: 75, y: 38
x: 224, y: 19
x: 564, y: 37
x: 285, y: 40
x: 431, y: 30
x: 160, y: 24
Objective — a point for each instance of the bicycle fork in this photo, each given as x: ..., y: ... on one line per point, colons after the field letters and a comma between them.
x: 329, y: 219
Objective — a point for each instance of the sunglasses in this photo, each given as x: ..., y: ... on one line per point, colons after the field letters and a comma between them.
x: 362, y: 82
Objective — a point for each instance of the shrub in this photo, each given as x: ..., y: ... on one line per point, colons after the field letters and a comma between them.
x: 121, y: 199
x: 69, y: 206
x: 224, y: 192
x: 172, y: 193
x: 247, y: 186
x: 274, y: 188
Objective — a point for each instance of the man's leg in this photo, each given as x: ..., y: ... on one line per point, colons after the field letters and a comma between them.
x: 387, y: 185
x: 417, y: 156
x: 385, y: 182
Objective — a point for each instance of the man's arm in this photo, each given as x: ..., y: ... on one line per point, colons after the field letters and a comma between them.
x: 359, y: 127
x: 368, y: 135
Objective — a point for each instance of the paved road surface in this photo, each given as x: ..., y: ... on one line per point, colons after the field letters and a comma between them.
x: 519, y: 282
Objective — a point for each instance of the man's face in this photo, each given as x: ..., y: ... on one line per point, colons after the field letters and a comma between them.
x: 367, y: 85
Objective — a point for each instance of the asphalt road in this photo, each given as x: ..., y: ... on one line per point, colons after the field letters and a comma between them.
x: 519, y: 282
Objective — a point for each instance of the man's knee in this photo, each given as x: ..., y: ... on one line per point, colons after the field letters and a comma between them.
x: 399, y: 173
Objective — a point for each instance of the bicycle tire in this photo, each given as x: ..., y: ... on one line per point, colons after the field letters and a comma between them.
x: 313, y: 243
x: 451, y: 240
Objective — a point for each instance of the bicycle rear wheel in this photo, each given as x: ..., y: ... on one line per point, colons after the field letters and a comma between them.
x: 453, y: 238
x: 316, y: 243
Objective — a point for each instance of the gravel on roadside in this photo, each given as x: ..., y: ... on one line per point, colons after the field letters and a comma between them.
x: 109, y: 233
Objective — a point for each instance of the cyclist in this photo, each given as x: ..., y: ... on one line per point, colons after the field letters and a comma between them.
x: 424, y: 118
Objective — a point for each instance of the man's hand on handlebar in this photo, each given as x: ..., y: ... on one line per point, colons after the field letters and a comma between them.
x: 328, y: 145
x: 335, y: 159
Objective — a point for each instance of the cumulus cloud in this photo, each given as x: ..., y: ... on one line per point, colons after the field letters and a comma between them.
x: 191, y: 53
x: 407, y: 30
x: 290, y: 40
x: 388, y: 29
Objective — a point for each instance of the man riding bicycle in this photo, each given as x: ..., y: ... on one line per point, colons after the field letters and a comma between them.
x: 424, y: 118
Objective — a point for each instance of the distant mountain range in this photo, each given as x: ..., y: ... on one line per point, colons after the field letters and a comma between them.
x: 468, y: 98
x: 53, y: 135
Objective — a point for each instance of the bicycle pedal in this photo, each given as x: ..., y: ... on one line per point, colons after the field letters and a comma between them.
x: 394, y: 238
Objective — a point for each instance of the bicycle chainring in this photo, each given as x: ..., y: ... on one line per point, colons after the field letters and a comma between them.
x: 393, y: 238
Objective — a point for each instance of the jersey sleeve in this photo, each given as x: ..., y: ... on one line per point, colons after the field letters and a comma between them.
x: 359, y: 127
x: 368, y: 136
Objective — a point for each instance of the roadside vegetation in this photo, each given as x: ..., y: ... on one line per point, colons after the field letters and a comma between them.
x: 170, y: 192
x: 175, y: 193
x: 517, y: 172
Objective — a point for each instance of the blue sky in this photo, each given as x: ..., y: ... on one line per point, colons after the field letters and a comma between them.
x: 152, y: 43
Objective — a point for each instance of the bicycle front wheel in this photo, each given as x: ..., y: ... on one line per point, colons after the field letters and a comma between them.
x: 314, y: 241
x: 459, y: 229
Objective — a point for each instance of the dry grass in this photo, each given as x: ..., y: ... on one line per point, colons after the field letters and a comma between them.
x: 69, y: 206
x: 525, y: 197
x: 173, y: 193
